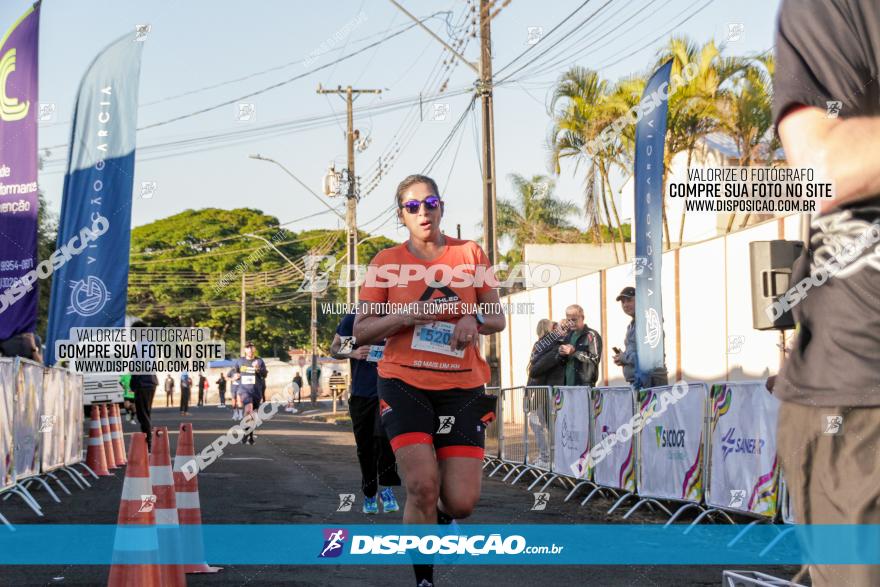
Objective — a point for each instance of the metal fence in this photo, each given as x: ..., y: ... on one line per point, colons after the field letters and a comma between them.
x: 549, y: 435
x: 41, y: 430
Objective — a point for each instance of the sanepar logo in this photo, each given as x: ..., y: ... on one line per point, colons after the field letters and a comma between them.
x: 669, y: 437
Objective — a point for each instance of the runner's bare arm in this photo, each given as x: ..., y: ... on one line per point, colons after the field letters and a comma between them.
x: 494, y: 316
x: 845, y: 151
x: 334, y: 347
x: 371, y: 327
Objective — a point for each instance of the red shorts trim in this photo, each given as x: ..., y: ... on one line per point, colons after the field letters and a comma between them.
x: 470, y: 452
x: 410, y: 438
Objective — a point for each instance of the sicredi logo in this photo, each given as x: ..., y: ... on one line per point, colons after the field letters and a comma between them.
x: 669, y: 437
x: 740, y: 444
x: 334, y: 542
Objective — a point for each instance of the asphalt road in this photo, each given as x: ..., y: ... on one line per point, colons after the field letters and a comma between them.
x: 294, y: 474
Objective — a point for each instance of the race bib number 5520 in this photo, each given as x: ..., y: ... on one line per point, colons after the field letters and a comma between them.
x: 435, y: 338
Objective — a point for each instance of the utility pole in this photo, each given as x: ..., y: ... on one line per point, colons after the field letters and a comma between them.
x: 484, y: 90
x: 313, y: 264
x: 243, y: 314
x: 352, y: 193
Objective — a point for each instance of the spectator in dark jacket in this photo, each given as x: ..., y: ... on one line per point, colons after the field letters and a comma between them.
x: 544, y: 367
x: 572, y: 357
x: 544, y: 370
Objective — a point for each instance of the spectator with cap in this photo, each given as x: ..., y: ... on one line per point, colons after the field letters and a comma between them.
x: 628, y: 358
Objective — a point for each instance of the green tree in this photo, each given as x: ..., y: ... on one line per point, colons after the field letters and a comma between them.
x: 186, y: 270
x: 580, y: 111
x: 533, y: 215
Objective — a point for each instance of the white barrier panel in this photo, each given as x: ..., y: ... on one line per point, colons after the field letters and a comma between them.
x: 26, y: 421
x: 787, y: 508
x: 73, y: 418
x: 671, y: 455
x: 743, y: 468
x: 7, y: 405
x: 572, y: 430
x: 52, y: 425
x: 612, y: 408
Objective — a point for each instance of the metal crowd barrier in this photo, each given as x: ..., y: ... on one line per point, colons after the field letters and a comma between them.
x: 712, y: 449
x: 41, y: 423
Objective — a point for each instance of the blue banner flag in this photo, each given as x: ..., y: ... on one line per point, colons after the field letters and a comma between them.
x: 19, y: 199
x: 94, y: 232
x: 650, y: 140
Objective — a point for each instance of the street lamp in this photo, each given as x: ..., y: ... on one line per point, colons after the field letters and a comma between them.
x: 259, y: 157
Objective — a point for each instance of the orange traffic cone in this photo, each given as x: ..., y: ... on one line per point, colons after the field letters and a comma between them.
x: 108, y: 443
x: 166, y: 507
x: 116, y: 435
x: 96, y: 460
x: 136, y: 508
x: 189, y: 510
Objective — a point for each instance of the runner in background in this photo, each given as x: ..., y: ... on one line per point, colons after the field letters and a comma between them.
x: 221, y: 390
x: 185, y: 387
x: 203, y: 386
x: 169, y: 391
x: 250, y: 372
x: 375, y: 456
x: 127, y: 397
x: 432, y: 375
x: 233, y: 390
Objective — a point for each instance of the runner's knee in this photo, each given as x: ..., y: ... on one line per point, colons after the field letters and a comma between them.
x: 423, y: 490
x: 459, y: 506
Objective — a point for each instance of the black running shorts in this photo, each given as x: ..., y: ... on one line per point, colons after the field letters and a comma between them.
x: 452, y: 420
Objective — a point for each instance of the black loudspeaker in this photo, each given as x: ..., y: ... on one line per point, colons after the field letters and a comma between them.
x: 771, y: 265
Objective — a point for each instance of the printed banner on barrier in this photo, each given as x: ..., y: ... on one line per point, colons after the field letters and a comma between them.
x: 671, y: 444
x: 572, y: 433
x: 51, y: 429
x: 612, y: 409
x: 73, y: 422
x: 26, y: 421
x: 7, y: 408
x: 743, y: 467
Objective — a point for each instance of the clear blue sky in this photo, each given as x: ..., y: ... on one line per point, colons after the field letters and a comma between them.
x: 201, y: 43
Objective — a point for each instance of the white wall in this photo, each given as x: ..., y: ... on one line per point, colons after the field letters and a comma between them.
x: 715, y: 304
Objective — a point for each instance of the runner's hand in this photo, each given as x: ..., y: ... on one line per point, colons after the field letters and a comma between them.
x: 412, y: 318
x: 466, y: 332
x: 360, y: 353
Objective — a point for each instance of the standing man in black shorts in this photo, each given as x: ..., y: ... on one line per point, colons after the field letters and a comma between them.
x: 826, y: 103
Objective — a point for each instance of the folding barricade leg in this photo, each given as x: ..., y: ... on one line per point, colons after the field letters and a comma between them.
x: 26, y: 497
x: 76, y: 477
x: 58, y: 481
x: 45, y: 485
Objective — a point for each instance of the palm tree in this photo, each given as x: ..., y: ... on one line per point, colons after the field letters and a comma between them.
x: 694, y: 107
x: 579, y: 109
x: 533, y: 215
x: 746, y: 115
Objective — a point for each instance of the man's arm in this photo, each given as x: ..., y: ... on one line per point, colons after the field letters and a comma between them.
x: 845, y: 151
x: 334, y: 347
